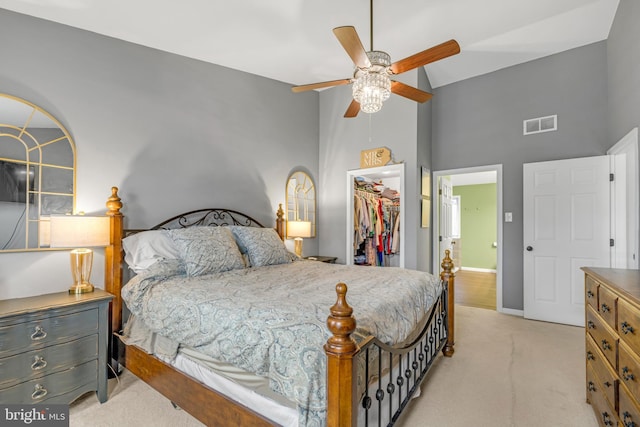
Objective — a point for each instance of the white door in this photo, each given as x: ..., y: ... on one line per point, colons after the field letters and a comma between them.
x: 445, y: 194
x: 566, y: 226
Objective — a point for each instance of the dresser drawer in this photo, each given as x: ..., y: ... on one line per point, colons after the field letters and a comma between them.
x: 607, y: 303
x: 629, y: 413
x: 591, y: 291
x: 607, y: 376
x: 629, y: 324
x: 605, y: 414
x: 51, y: 387
x: 37, y: 363
x: 45, y: 331
x: 604, y: 337
x: 629, y: 369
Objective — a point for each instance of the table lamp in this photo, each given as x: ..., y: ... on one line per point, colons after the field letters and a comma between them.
x: 81, y: 232
x: 298, y: 230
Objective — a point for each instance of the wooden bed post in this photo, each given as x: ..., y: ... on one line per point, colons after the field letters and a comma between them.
x: 340, y: 349
x: 448, y: 276
x: 113, y: 269
x: 280, y: 222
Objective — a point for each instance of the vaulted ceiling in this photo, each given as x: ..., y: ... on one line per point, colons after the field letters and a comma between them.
x: 291, y: 40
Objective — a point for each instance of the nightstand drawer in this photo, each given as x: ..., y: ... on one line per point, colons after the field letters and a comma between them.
x: 46, y: 331
x: 37, y: 363
x: 52, y: 387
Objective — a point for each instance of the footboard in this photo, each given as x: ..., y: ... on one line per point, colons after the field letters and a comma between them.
x: 391, y: 375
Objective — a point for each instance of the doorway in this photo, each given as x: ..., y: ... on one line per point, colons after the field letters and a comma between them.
x: 475, y: 281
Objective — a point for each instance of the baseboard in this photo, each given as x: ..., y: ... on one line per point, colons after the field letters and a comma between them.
x: 512, y: 312
x: 480, y: 270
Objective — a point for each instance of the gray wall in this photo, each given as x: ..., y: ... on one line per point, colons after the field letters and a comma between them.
x: 623, y: 66
x: 173, y: 133
x: 423, y: 157
x: 341, y: 141
x: 479, y: 122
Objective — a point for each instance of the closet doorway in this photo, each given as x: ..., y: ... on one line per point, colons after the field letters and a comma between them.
x: 469, y: 222
x: 391, y: 177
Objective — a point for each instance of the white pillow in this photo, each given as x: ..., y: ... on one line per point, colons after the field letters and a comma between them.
x: 141, y: 250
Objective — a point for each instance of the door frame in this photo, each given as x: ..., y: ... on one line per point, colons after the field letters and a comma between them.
x: 621, y: 221
x: 436, y: 212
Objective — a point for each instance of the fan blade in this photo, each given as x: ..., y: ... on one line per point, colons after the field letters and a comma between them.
x: 410, y: 92
x: 353, y: 109
x: 348, y: 38
x: 425, y: 57
x: 320, y: 85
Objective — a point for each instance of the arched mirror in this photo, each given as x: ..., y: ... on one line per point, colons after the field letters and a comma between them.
x: 301, y: 199
x: 37, y: 174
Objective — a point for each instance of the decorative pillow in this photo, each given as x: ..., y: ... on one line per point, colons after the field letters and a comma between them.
x: 207, y: 249
x: 141, y: 250
x: 263, y: 245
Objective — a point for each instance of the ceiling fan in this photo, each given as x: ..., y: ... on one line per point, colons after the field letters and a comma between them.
x: 372, y: 82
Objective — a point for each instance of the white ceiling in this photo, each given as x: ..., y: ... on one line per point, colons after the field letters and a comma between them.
x: 291, y: 40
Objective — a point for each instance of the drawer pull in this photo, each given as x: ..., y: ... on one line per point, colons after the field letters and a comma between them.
x: 39, y: 392
x: 606, y: 419
x: 590, y: 356
x: 626, y: 415
x: 39, y: 363
x: 38, y: 334
x: 627, y: 375
x: 589, y: 294
x: 591, y: 325
x: 606, y: 345
x: 591, y: 386
x: 605, y: 308
x: 607, y: 384
x: 626, y: 328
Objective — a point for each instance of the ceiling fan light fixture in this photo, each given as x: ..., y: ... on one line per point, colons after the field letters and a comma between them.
x: 371, y: 89
x: 372, y: 85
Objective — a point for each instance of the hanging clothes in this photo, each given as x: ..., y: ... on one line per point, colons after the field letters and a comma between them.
x: 376, y: 223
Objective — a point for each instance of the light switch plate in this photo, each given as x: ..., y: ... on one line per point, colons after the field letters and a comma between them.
x: 508, y: 217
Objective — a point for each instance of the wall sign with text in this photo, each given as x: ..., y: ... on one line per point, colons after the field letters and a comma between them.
x: 375, y: 157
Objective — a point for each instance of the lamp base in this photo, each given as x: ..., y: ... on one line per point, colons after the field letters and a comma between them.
x: 297, y: 246
x: 81, y: 288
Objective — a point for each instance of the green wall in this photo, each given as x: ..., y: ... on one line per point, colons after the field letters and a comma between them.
x: 478, y: 227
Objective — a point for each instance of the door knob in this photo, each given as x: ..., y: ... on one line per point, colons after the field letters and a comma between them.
x: 529, y: 248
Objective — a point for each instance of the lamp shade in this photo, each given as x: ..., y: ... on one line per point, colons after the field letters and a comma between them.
x: 299, y: 229
x: 79, y: 231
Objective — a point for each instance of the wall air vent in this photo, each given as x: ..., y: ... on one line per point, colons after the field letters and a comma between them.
x: 540, y: 124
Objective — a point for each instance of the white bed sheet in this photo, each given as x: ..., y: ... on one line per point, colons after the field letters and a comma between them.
x: 265, y: 406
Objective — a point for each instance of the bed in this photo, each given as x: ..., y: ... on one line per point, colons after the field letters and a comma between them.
x: 325, y: 369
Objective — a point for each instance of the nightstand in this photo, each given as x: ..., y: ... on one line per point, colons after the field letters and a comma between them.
x: 327, y: 259
x: 53, y: 348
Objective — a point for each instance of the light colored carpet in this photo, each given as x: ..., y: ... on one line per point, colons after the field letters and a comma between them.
x: 506, y: 371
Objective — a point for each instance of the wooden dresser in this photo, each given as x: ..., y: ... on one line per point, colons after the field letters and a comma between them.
x: 612, y: 325
x: 53, y: 348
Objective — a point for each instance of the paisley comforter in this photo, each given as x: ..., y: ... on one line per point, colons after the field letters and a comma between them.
x: 272, y: 320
